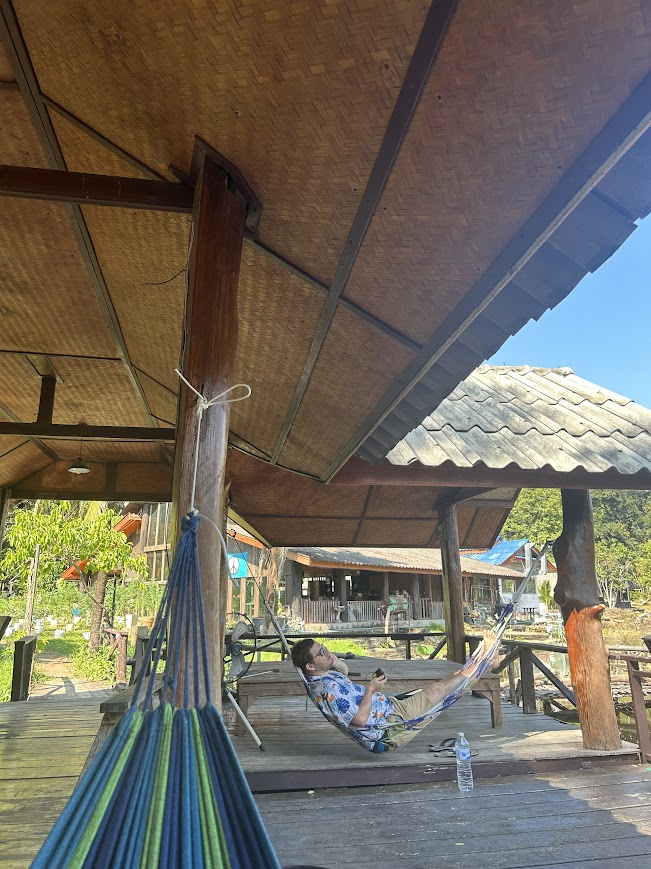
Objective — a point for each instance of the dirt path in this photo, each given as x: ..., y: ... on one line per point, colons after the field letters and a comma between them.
x: 61, y: 684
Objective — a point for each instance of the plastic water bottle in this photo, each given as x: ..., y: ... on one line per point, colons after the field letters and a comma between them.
x: 464, y: 767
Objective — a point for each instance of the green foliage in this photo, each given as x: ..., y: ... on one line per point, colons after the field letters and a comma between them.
x: 94, y: 666
x: 545, y: 593
x: 537, y: 514
x: 66, y: 538
x: 622, y: 516
x: 615, y: 566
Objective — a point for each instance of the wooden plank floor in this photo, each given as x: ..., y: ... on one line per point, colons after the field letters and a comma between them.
x: 43, y: 746
x: 303, y: 750
x: 590, y: 819
x: 44, y: 743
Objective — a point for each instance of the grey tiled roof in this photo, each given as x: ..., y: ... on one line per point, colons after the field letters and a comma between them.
x: 418, y: 560
x: 532, y: 418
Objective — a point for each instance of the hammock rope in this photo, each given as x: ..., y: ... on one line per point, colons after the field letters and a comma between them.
x: 166, y: 788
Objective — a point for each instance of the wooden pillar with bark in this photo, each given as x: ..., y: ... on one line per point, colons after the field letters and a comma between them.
x: 577, y: 595
x: 209, y: 356
x: 340, y: 590
x: 448, y: 535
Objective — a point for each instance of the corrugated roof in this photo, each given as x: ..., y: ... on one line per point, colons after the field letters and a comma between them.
x: 531, y: 418
x: 500, y: 553
x: 418, y: 560
x: 588, y: 236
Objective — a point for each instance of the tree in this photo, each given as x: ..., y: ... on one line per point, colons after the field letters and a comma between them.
x: 537, y: 514
x: 615, y: 567
x: 67, y: 538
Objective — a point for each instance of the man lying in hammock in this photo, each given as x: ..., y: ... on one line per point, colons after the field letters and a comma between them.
x: 363, y: 711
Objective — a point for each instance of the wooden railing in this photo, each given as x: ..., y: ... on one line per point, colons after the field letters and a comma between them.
x: 325, y: 612
x: 23, y: 663
x: 635, y: 677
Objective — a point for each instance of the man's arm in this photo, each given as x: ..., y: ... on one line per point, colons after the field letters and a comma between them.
x: 339, y: 665
x: 361, y: 716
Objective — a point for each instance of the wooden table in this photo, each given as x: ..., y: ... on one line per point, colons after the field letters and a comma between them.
x: 283, y: 681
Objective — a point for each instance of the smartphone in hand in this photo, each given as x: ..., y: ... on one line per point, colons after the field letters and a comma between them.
x: 379, y: 672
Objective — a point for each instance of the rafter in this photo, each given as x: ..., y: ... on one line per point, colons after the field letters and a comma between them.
x: 86, y: 189
x: 12, y: 38
x: 87, y: 432
x: 431, y: 37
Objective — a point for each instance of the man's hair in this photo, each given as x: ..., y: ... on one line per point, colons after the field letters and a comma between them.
x: 302, y: 653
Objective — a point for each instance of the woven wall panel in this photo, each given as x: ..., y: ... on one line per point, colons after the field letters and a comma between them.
x: 18, y: 462
x: 403, y: 502
x: 51, y: 306
x: 517, y: 93
x: 85, y: 154
x: 305, y: 531
x: 278, y: 315
x: 105, y: 451
x: 97, y: 392
x: 389, y: 532
x: 296, y: 94
x: 19, y: 145
x: 19, y: 387
x: 146, y: 477
x: 137, y: 249
x: 161, y: 401
x: 485, y: 525
x: 357, y: 364
x: 6, y: 72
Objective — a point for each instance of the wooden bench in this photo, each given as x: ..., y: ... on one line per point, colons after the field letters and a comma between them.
x: 113, y: 709
x: 283, y: 681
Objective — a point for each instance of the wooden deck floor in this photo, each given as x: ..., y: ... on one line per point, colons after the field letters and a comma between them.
x: 590, y: 819
x: 504, y: 824
x: 304, y: 751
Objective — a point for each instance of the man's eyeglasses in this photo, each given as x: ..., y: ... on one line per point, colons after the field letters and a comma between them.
x: 322, y: 651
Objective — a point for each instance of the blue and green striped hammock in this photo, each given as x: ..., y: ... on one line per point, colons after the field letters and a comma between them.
x: 166, y: 788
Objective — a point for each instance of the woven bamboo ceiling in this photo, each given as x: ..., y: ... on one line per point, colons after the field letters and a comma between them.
x: 408, y: 160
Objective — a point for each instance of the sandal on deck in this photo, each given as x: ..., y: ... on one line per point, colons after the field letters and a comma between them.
x: 445, y: 748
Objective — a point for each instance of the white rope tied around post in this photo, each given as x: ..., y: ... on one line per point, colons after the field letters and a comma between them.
x: 203, y: 404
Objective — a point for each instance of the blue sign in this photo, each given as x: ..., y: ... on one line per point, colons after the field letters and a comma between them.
x: 238, y: 565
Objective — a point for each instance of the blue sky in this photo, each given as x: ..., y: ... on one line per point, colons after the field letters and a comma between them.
x: 602, y: 330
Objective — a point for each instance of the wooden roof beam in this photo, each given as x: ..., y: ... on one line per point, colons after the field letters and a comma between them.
x: 87, y: 432
x: 83, y: 188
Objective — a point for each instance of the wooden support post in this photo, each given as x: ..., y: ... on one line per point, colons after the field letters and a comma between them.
x: 23, y: 664
x: 46, y: 402
x: 296, y: 574
x: 209, y: 357
x: 577, y: 594
x: 415, y: 596
x: 385, y: 585
x: 31, y: 589
x: 452, y: 582
x: 5, y: 495
x: 527, y: 682
x: 342, y: 597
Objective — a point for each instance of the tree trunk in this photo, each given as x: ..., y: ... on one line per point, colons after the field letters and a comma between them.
x: 99, y: 583
x: 577, y: 595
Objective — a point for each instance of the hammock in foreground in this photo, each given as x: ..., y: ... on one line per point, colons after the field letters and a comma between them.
x: 476, y: 666
x: 166, y: 788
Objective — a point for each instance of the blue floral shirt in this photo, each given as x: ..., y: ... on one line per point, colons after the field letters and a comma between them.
x: 338, y: 697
